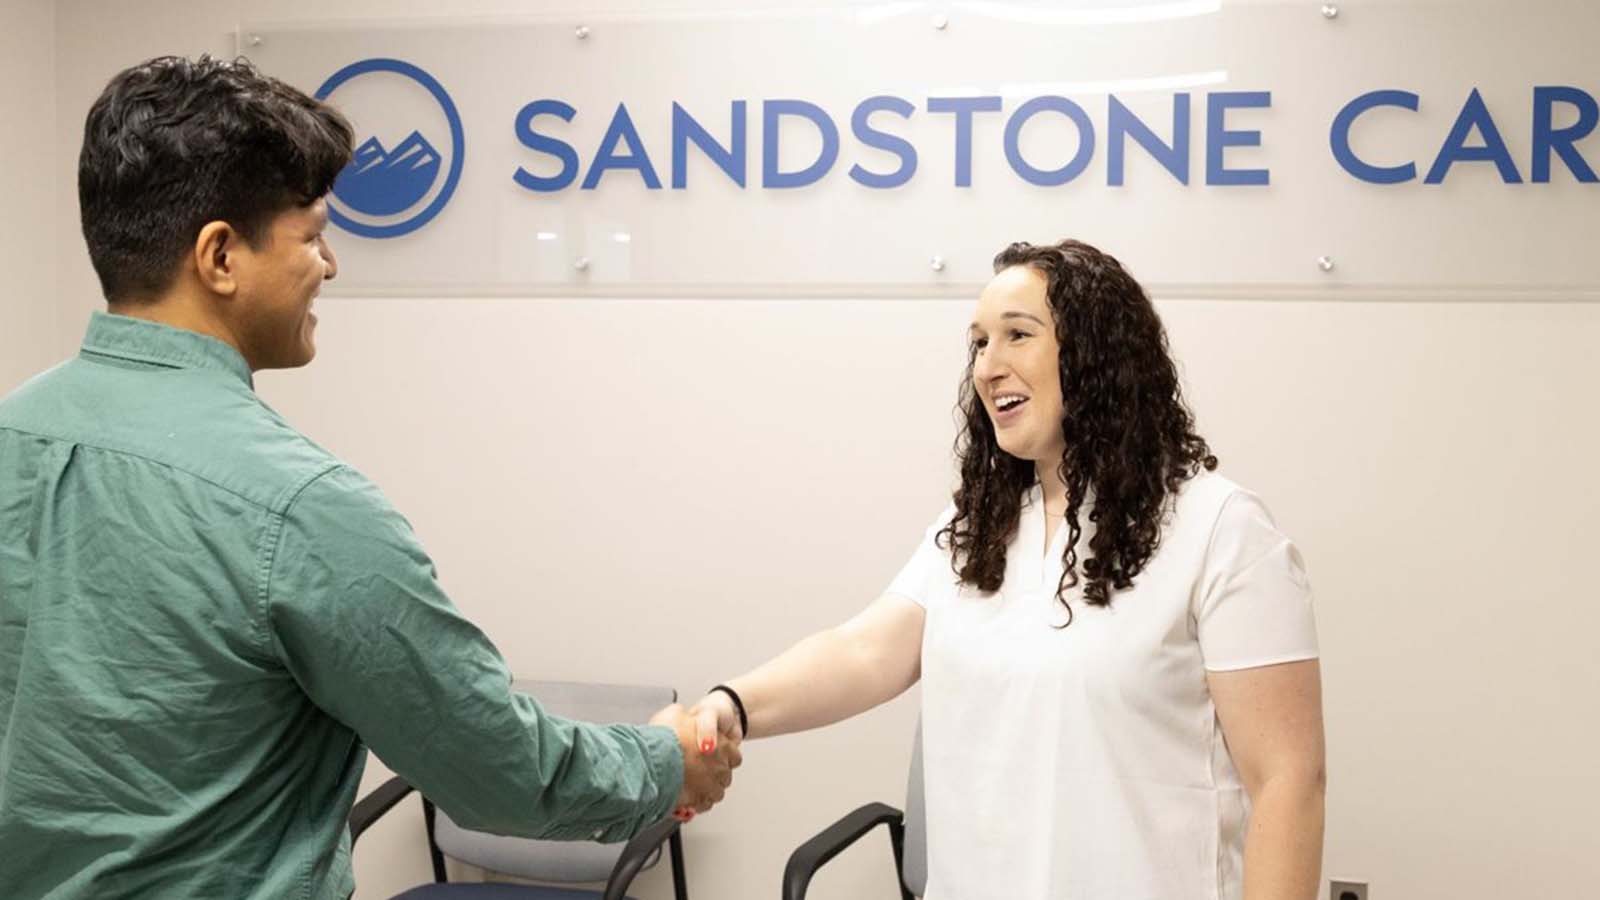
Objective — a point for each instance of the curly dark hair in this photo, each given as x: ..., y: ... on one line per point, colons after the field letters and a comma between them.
x: 1129, y: 436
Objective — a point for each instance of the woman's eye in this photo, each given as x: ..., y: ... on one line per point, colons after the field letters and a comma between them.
x: 980, y: 343
x: 1018, y: 334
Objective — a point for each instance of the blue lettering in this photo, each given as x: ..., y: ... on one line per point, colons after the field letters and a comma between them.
x: 1122, y: 123
x: 1339, y: 137
x: 621, y: 131
x: 963, y: 107
x: 882, y: 140
x: 771, y: 112
x: 1474, y: 114
x: 1219, y: 138
x: 731, y: 160
x: 1560, y: 140
x: 544, y: 144
x: 1075, y: 166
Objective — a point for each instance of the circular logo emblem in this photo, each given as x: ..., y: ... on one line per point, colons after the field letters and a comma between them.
x: 384, y: 192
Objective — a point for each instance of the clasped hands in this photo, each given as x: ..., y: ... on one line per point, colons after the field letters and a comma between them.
x: 710, y: 737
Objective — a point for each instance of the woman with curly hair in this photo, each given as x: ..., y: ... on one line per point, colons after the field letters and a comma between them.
x: 1121, y: 694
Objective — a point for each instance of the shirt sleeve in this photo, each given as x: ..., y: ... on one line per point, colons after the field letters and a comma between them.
x: 355, y: 612
x: 920, y: 576
x: 1253, y: 606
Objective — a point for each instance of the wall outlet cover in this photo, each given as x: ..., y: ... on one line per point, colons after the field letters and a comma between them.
x: 1347, y: 890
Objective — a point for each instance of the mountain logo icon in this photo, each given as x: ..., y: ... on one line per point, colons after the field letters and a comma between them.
x: 382, y: 182
x: 378, y: 194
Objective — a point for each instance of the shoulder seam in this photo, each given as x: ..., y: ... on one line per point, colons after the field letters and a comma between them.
x: 127, y: 451
x: 1234, y: 490
x: 271, y: 541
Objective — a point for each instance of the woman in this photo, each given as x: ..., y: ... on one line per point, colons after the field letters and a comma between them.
x: 1121, y: 693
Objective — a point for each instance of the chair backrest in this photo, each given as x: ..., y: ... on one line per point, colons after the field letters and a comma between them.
x: 914, y: 863
x: 560, y: 861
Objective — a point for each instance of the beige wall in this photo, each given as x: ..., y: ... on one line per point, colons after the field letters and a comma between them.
x: 674, y: 490
x: 28, y: 191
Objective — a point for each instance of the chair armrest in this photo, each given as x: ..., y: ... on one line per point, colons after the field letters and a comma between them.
x: 831, y: 841
x: 381, y: 800
x: 637, y: 852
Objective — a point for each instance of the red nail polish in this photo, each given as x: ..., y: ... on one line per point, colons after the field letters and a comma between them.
x: 707, y: 745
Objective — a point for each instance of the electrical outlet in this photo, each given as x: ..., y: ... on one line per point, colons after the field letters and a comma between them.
x: 1347, y: 890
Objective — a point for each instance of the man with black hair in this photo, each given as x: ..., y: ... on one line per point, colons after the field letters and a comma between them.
x: 205, y: 618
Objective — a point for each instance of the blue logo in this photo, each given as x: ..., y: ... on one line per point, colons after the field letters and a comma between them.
x: 384, y: 182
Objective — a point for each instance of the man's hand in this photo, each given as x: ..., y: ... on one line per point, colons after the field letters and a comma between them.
x: 706, y: 772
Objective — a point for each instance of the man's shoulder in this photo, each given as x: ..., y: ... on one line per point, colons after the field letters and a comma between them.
x: 200, y: 423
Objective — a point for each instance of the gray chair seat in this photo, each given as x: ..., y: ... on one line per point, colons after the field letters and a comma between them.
x: 565, y: 862
x: 492, y: 891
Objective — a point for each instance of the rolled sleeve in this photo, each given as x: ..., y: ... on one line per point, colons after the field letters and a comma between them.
x: 354, y: 610
x: 1254, y: 607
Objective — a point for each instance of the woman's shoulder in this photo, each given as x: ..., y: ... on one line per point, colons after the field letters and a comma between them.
x: 1207, y: 491
x: 1211, y: 501
x: 1225, y: 513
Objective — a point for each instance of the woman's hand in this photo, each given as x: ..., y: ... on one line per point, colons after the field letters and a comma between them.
x: 707, y: 773
x: 715, y: 716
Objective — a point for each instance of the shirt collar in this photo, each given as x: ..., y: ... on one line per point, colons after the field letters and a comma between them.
x: 124, y: 337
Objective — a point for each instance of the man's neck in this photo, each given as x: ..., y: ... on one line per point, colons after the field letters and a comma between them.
x: 176, y: 311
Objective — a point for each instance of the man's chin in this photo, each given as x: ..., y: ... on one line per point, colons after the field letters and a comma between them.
x: 292, y: 359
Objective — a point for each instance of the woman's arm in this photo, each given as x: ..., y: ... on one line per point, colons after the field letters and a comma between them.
x: 1272, y: 720
x: 830, y: 676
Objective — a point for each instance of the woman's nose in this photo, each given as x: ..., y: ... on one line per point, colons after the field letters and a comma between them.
x: 987, y: 364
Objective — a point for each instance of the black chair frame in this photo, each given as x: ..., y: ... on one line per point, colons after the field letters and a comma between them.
x: 836, y: 838
x: 635, y: 854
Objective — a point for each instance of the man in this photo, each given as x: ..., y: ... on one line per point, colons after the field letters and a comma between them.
x: 205, y: 618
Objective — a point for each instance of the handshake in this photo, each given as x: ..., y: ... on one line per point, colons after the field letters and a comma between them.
x: 710, y: 736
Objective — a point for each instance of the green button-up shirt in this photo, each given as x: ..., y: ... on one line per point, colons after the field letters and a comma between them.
x: 206, y: 619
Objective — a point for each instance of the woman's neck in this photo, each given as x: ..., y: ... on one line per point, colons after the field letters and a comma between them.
x: 1055, y: 489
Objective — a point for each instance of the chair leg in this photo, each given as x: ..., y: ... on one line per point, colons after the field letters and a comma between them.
x: 680, y: 887
x: 897, y: 840
x: 428, y: 816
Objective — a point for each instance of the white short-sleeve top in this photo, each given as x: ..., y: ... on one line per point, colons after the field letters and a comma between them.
x: 1087, y: 762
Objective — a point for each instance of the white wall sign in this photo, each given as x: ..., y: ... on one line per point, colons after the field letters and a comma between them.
x: 1394, y: 149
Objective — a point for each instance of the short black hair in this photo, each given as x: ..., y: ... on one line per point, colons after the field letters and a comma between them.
x: 173, y: 143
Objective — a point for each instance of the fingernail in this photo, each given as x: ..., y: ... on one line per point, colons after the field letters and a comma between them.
x: 707, y: 745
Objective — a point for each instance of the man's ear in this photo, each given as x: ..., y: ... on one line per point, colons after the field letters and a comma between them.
x: 216, y: 257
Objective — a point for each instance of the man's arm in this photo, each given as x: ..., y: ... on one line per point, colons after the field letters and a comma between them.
x: 353, y: 609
